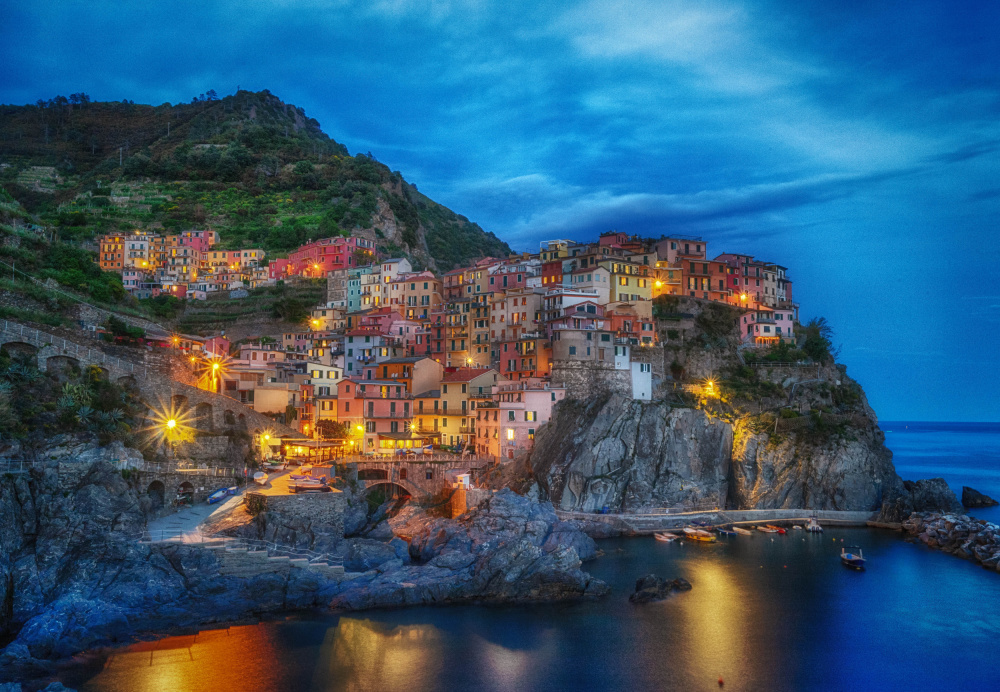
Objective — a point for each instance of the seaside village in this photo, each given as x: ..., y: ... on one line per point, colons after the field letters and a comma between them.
x: 398, y: 361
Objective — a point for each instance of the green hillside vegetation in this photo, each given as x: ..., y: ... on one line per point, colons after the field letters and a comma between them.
x: 248, y: 165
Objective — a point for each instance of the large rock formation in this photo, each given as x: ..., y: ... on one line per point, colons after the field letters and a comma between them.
x: 631, y: 456
x: 627, y: 455
x: 841, y: 472
x: 509, y: 549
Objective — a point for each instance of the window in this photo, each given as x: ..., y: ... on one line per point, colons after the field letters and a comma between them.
x: 531, y: 433
x: 510, y: 415
x: 530, y: 416
x: 510, y: 433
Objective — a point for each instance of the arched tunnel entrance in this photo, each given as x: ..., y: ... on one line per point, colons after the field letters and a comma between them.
x: 156, y: 491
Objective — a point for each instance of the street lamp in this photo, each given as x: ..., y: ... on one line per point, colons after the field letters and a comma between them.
x: 171, y: 424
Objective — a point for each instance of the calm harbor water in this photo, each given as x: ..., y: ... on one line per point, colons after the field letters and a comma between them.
x: 764, y: 614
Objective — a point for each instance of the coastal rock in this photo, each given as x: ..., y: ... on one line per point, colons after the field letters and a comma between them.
x: 973, y: 498
x: 509, y: 549
x: 653, y: 588
x: 964, y: 536
x: 927, y: 495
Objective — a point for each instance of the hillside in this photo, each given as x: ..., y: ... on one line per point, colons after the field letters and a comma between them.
x: 250, y: 166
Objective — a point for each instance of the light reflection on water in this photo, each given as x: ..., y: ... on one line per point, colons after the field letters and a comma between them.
x: 763, y: 614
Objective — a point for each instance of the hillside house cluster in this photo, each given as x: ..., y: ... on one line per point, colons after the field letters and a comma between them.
x: 186, y: 265
x: 402, y: 359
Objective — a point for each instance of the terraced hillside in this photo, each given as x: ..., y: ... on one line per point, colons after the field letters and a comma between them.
x: 250, y: 166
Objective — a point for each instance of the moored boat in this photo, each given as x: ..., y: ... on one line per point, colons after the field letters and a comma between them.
x: 260, y: 478
x: 724, y: 531
x: 699, y: 535
x: 741, y: 531
x: 797, y: 527
x: 666, y: 536
x: 220, y: 495
x: 777, y: 529
x: 814, y: 526
x: 850, y: 556
x: 764, y: 529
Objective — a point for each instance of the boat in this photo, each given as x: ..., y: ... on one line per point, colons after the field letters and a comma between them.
x: 814, y: 526
x: 850, y: 556
x: 725, y: 531
x: 764, y: 529
x: 777, y: 529
x: 218, y: 496
x: 666, y: 536
x: 699, y: 535
x: 741, y: 531
x: 797, y: 527
x: 260, y: 478
x: 309, y: 488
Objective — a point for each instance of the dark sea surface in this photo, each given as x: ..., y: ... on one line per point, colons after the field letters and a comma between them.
x: 961, y: 453
x: 764, y: 614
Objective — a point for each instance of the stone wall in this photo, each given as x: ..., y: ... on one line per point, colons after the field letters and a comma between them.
x: 586, y: 380
x: 325, y: 509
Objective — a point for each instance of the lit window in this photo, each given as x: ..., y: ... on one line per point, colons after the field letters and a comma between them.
x: 510, y: 433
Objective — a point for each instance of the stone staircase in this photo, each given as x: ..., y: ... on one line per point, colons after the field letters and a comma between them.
x: 242, y: 562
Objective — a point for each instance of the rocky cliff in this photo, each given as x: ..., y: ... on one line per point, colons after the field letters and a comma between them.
x: 628, y: 456
x: 632, y: 456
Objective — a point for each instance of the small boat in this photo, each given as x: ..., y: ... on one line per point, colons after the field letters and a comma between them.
x: 797, y: 527
x: 725, y: 531
x: 777, y: 529
x: 764, y: 529
x: 260, y: 478
x: 741, y: 531
x: 309, y: 488
x: 814, y: 526
x: 220, y: 495
x: 850, y: 556
x: 699, y: 535
x: 666, y: 537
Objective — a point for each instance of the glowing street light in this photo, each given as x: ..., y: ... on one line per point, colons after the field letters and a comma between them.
x: 171, y: 424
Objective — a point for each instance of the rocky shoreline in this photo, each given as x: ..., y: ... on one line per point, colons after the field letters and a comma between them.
x: 967, y: 537
x: 76, y: 577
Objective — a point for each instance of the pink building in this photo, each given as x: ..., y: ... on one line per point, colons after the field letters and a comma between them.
x: 506, y: 426
x: 319, y: 257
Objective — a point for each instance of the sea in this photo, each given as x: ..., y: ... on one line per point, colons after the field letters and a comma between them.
x: 765, y: 613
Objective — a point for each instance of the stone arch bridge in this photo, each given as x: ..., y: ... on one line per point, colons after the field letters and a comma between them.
x: 421, y: 478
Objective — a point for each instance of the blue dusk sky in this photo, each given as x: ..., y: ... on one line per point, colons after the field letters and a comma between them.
x: 856, y: 143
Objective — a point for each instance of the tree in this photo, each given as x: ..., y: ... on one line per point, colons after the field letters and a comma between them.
x: 333, y: 430
x: 818, y: 341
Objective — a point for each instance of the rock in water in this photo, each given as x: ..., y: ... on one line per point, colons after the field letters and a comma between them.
x: 973, y: 498
x: 932, y: 495
x: 653, y: 588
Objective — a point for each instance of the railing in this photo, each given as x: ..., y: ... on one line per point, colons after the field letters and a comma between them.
x: 415, y: 458
x: 69, y: 347
x: 273, y: 549
x: 160, y: 467
x: 768, y: 364
x: 17, y: 465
